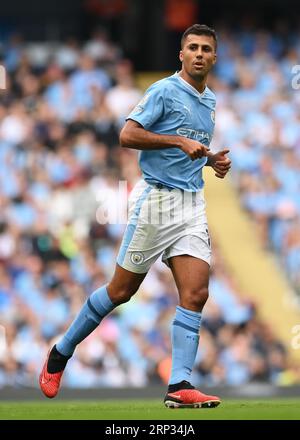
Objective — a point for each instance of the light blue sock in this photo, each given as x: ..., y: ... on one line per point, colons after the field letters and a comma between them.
x: 97, y: 306
x: 185, y: 340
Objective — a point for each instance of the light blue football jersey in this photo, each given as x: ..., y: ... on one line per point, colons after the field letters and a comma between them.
x: 172, y: 106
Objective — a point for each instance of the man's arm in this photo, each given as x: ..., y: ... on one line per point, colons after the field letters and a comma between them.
x: 219, y: 162
x: 133, y: 135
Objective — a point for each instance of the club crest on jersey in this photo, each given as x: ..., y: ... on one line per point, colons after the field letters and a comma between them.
x: 212, y: 115
x: 137, y: 258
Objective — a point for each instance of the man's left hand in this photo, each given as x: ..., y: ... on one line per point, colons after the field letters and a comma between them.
x: 220, y: 163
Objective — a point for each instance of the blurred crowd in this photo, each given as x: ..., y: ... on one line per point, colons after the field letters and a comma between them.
x: 60, y: 160
x: 257, y: 83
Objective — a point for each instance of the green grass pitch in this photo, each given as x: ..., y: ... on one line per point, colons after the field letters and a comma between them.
x: 246, y: 409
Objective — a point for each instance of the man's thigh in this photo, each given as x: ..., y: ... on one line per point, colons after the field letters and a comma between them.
x: 189, y: 272
x: 191, y: 276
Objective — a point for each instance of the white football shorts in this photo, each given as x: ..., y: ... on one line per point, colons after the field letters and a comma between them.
x: 163, y: 221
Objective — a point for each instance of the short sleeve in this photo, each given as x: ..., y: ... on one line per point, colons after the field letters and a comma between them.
x: 150, y: 108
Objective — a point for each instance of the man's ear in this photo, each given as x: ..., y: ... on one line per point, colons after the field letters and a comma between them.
x: 181, y: 56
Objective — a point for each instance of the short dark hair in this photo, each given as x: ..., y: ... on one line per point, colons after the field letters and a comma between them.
x: 199, y: 29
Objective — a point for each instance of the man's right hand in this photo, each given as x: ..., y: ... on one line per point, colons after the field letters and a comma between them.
x: 192, y: 148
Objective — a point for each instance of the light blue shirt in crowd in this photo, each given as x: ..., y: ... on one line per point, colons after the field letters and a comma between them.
x: 172, y: 106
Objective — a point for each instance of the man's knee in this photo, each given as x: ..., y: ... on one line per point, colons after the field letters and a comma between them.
x: 120, y: 294
x: 194, y: 299
x: 123, y: 285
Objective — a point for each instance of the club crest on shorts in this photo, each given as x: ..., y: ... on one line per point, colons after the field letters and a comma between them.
x: 137, y: 258
x: 212, y: 115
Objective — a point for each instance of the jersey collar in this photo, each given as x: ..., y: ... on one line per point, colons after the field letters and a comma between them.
x: 189, y: 86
